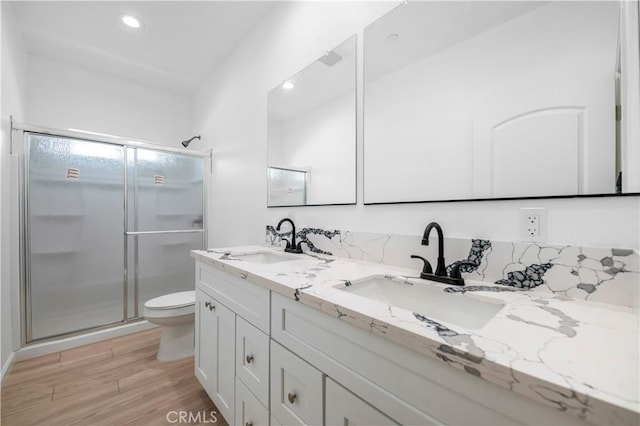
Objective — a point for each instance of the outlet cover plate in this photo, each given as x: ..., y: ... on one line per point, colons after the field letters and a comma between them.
x: 527, y: 229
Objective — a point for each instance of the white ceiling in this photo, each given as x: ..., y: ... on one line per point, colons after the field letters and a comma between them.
x: 180, y: 45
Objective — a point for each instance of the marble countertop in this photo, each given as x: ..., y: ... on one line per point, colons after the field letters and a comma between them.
x: 575, y: 356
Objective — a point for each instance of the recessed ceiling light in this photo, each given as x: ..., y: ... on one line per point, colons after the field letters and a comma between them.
x: 131, y: 21
x: 287, y: 85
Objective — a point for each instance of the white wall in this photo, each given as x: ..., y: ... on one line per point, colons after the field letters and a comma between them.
x: 63, y: 96
x: 231, y: 113
x: 13, y: 94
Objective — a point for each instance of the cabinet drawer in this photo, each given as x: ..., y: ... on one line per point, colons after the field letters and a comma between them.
x: 252, y: 359
x: 246, y: 299
x: 296, y: 389
x: 249, y: 411
x: 344, y: 408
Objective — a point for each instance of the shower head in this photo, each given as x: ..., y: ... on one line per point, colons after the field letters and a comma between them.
x: 330, y: 58
x: 188, y: 141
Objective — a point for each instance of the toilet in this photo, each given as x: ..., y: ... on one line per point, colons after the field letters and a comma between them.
x: 176, y: 312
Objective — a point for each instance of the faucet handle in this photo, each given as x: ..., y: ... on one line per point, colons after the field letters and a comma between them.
x: 455, y: 269
x: 426, y: 269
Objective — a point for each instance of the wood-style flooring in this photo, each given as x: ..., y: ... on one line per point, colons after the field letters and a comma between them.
x: 113, y: 382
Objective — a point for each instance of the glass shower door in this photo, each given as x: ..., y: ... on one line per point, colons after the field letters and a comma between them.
x: 165, y: 222
x: 75, y: 243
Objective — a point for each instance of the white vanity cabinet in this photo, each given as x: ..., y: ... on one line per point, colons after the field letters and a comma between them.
x: 265, y: 358
x: 232, y: 344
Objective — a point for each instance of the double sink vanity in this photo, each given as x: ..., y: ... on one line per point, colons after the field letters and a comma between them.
x: 287, y: 338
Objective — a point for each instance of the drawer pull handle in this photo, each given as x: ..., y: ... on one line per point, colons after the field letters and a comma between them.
x: 209, y: 305
x: 292, y: 397
x: 249, y: 359
x: 248, y: 424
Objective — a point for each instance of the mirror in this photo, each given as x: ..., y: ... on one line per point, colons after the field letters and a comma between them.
x: 486, y: 100
x: 311, y: 140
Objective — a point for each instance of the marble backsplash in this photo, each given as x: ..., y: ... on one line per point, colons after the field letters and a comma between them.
x: 594, y: 274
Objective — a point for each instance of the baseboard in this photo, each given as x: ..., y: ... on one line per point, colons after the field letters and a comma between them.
x: 6, y: 367
x: 44, y: 348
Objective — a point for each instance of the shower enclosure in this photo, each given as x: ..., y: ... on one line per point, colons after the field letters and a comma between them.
x: 107, y: 225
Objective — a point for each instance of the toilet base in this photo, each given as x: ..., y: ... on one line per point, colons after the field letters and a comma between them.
x: 177, y: 342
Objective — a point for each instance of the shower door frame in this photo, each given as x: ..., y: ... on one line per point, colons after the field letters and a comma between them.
x: 23, y: 216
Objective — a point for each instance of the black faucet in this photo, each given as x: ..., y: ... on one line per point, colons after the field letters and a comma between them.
x: 441, y: 270
x: 291, y: 245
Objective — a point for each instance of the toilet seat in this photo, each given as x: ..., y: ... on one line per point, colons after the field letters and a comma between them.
x: 173, y: 300
x: 171, y: 305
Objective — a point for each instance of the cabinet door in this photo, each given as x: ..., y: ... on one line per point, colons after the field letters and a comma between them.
x: 249, y: 411
x: 252, y: 359
x: 215, y: 352
x: 296, y: 389
x: 344, y: 408
x: 205, y: 321
x: 223, y: 374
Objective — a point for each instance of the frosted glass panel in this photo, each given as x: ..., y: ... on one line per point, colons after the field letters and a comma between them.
x: 76, y: 199
x: 163, y: 265
x: 287, y: 187
x: 165, y: 190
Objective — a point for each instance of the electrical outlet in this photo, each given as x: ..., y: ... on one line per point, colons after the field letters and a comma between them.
x: 532, y: 223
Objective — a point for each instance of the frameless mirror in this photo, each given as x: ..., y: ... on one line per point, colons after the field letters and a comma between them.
x: 484, y: 100
x: 311, y: 141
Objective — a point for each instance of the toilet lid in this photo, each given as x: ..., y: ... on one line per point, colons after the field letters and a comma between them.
x: 173, y: 300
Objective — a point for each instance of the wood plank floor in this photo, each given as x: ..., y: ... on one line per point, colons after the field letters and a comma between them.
x: 113, y: 382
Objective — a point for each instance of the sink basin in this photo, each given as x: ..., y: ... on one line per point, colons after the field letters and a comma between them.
x: 468, y: 310
x: 263, y: 257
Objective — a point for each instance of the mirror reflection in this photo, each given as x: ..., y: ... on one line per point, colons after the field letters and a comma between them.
x: 312, y: 133
x: 472, y: 100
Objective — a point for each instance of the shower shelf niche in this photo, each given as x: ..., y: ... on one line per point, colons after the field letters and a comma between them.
x: 58, y: 215
x: 55, y: 181
x: 55, y: 253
